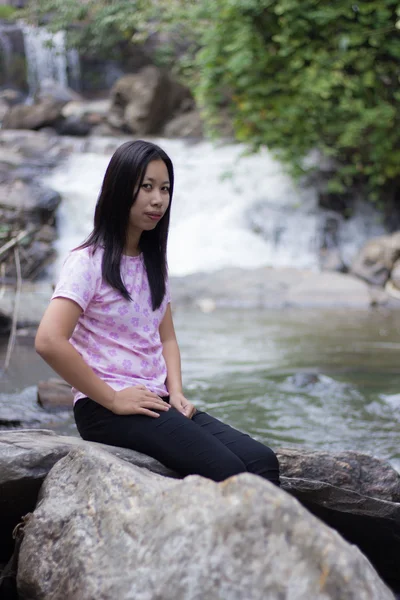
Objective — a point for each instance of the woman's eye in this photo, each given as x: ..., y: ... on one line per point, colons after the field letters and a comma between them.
x: 165, y: 189
x: 146, y: 186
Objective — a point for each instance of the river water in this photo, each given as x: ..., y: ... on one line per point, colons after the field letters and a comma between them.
x: 318, y: 379
x: 321, y: 380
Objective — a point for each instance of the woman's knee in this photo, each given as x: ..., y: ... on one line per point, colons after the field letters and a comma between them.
x: 224, y: 466
x: 263, y: 462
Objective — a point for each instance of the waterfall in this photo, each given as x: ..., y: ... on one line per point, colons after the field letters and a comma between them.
x: 47, y: 58
x: 5, y: 47
x: 6, y: 50
x: 229, y: 209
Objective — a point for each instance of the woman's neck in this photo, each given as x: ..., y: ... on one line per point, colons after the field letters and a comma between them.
x: 132, y: 246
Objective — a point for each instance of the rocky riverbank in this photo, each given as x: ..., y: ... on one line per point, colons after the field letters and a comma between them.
x: 141, y: 515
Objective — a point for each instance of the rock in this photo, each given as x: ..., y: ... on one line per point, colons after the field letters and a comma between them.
x: 267, y: 287
x: 329, y: 289
x: 4, y: 108
x: 105, y: 529
x: 95, y: 111
x: 304, y: 380
x: 46, y: 234
x: 34, y: 300
x: 353, y: 471
x: 26, y: 457
x: 60, y: 94
x: 73, y: 126
x: 143, y: 102
x: 372, y: 525
x: 5, y: 323
x: 395, y: 274
x: 36, y: 201
x: 11, y: 97
x: 36, y: 116
x: 355, y: 493
x: 55, y: 393
x: 187, y: 125
x: 376, y: 259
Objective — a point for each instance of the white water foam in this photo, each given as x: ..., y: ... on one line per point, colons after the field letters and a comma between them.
x: 228, y: 209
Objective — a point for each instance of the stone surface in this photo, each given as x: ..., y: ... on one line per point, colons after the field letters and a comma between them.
x: 376, y: 259
x: 141, y: 103
x: 395, y: 274
x: 34, y: 116
x: 187, y: 125
x: 26, y: 457
x: 371, y: 524
x: 352, y: 471
x: 329, y: 289
x: 336, y: 487
x: 54, y: 394
x: 104, y: 529
x: 266, y: 287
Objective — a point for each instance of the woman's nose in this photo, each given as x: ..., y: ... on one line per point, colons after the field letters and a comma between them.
x: 156, y: 198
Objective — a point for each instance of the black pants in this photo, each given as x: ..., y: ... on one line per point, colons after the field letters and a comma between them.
x: 201, y: 445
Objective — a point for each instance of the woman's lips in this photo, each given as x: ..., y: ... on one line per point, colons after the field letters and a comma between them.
x: 153, y: 216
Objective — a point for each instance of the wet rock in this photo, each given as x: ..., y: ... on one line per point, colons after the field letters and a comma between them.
x: 55, y: 393
x: 377, y: 258
x: 74, y: 126
x: 353, y: 471
x: 187, y: 125
x: 329, y: 289
x: 395, y: 275
x: 101, y: 526
x: 34, y: 116
x: 142, y: 103
x: 304, y: 380
x: 34, y: 299
x: 5, y: 324
x: 36, y: 201
x: 51, y: 90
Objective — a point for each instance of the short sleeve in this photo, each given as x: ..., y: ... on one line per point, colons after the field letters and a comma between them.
x: 77, y: 280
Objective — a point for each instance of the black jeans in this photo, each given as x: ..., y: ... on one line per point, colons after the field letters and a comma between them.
x: 201, y: 445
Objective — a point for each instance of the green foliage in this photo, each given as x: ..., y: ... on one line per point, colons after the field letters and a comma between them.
x: 293, y: 75
x: 98, y: 27
x: 307, y: 75
x: 7, y: 12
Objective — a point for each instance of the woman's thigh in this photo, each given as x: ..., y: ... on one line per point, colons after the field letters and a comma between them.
x: 257, y: 457
x: 178, y: 442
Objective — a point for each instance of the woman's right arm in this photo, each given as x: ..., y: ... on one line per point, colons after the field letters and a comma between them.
x: 53, y: 345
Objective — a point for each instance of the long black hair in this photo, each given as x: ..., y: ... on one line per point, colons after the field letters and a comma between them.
x: 122, y: 182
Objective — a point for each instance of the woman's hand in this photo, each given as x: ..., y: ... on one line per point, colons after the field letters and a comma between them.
x: 178, y: 401
x: 137, y: 400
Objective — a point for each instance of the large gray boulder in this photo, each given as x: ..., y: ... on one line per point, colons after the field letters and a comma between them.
x: 104, y: 529
x: 143, y: 102
x: 35, y: 116
x: 356, y: 494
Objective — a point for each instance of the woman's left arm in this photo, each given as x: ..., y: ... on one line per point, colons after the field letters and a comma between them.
x: 172, y: 359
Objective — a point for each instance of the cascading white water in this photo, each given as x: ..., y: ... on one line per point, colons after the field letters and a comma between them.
x: 220, y: 197
x: 5, y: 50
x: 47, y: 58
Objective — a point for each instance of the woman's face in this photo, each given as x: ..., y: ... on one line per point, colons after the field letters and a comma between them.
x: 152, y: 200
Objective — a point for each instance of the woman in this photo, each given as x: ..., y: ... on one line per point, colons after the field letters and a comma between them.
x: 109, y: 332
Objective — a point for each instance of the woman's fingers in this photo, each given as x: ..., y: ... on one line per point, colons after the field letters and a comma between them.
x: 148, y: 413
x: 155, y: 404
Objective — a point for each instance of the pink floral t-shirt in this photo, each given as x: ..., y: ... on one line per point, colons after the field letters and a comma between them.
x: 119, y: 339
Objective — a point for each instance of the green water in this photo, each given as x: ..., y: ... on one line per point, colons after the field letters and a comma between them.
x: 248, y: 368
